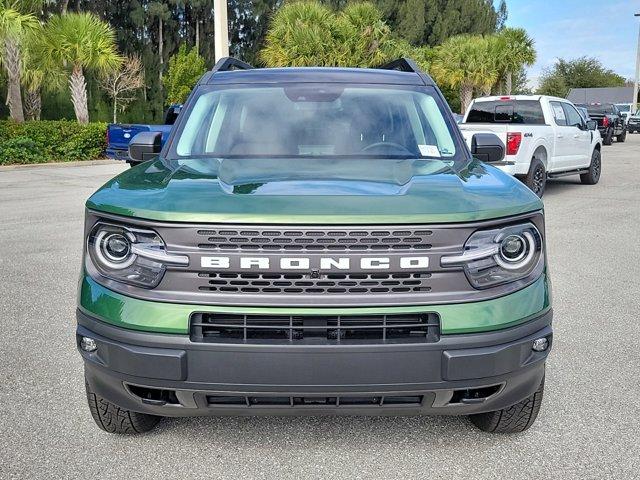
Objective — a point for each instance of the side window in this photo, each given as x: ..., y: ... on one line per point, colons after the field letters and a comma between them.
x: 573, y: 117
x: 558, y: 114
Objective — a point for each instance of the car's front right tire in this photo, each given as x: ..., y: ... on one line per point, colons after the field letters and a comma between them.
x: 114, y: 419
x: 514, y: 419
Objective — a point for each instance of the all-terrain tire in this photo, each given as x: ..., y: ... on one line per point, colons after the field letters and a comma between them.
x: 536, y: 179
x: 622, y: 137
x: 513, y: 419
x: 113, y: 419
x: 608, y: 137
x: 595, y: 168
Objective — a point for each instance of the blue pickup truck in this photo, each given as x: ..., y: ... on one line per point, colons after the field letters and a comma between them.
x: 120, y: 134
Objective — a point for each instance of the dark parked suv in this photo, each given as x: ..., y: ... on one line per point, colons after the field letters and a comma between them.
x: 314, y: 241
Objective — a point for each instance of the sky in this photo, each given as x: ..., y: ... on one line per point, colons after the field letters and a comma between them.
x: 604, y: 29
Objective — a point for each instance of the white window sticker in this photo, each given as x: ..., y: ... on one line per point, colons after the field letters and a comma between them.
x: 429, y: 151
x: 558, y: 112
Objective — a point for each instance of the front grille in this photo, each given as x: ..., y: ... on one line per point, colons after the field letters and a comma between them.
x: 323, y: 329
x: 329, y: 284
x: 283, y: 239
x: 314, y: 401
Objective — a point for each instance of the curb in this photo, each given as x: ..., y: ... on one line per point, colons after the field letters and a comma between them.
x: 60, y: 164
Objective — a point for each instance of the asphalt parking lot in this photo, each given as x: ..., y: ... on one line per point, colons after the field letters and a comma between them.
x: 588, y: 426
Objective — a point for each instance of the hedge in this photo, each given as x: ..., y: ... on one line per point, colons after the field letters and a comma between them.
x: 50, y: 141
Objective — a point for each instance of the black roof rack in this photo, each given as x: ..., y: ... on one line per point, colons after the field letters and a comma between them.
x: 226, y: 64
x: 402, y: 64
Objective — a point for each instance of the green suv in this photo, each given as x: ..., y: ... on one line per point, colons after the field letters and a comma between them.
x: 314, y: 241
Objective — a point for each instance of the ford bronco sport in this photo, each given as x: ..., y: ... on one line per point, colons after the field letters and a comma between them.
x: 314, y: 241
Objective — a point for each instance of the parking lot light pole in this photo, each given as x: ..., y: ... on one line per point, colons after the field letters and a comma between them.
x: 221, y: 28
x: 634, y: 107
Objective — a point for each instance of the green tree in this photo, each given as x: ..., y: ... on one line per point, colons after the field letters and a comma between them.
x: 80, y: 41
x: 311, y: 34
x: 583, y: 72
x: 515, y: 50
x: 160, y: 11
x: 185, y: 69
x: 16, y: 23
x: 465, y: 62
x: 38, y: 73
x: 431, y: 22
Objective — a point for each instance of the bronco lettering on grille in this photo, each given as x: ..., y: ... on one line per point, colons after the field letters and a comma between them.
x: 321, y: 263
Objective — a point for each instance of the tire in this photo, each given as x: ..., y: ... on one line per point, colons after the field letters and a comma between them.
x: 608, y: 137
x: 514, y: 419
x: 595, y: 169
x: 536, y: 179
x: 113, y: 419
x: 622, y: 137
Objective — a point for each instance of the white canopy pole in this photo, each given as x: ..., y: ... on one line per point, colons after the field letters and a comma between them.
x: 221, y: 29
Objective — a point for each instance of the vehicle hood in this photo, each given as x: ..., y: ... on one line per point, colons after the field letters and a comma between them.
x: 313, y: 191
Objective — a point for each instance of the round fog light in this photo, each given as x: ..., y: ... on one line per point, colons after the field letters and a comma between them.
x: 88, y: 344
x: 540, y: 344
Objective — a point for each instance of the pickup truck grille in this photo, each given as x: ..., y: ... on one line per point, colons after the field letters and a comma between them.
x: 233, y: 328
x: 330, y: 284
x: 305, y: 240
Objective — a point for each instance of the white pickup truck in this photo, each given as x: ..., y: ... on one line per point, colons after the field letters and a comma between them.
x: 545, y: 137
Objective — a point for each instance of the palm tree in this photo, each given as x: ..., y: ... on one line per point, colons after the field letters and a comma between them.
x: 516, y: 50
x: 310, y: 34
x: 38, y: 73
x: 301, y: 34
x: 80, y: 41
x: 15, y: 24
x: 465, y: 62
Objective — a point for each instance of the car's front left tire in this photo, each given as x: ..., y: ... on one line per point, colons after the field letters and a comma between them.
x: 592, y: 176
x: 114, y: 419
x: 514, y: 419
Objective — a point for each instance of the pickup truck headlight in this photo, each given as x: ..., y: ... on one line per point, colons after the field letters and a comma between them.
x: 130, y: 255
x: 498, y: 256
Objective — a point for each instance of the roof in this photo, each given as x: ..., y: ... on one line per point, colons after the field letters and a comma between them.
x: 601, y: 95
x: 317, y: 75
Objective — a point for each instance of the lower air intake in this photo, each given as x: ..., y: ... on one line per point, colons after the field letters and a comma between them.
x: 315, y: 329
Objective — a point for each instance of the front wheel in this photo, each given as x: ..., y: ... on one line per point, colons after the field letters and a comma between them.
x: 622, y: 137
x: 592, y: 176
x: 608, y: 137
x: 513, y: 419
x: 536, y: 179
x: 113, y: 419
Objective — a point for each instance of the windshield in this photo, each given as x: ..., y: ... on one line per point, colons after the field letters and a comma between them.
x: 316, y: 120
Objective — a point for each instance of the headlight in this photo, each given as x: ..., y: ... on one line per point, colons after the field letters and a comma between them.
x: 498, y: 256
x: 130, y: 255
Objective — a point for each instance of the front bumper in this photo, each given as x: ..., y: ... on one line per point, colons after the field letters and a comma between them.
x: 240, y: 379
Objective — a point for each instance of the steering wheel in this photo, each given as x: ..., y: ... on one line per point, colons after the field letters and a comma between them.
x: 399, y: 149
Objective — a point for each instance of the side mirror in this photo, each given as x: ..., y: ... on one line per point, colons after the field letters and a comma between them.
x: 487, y: 147
x: 145, y: 145
x: 171, y: 114
x: 592, y: 125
